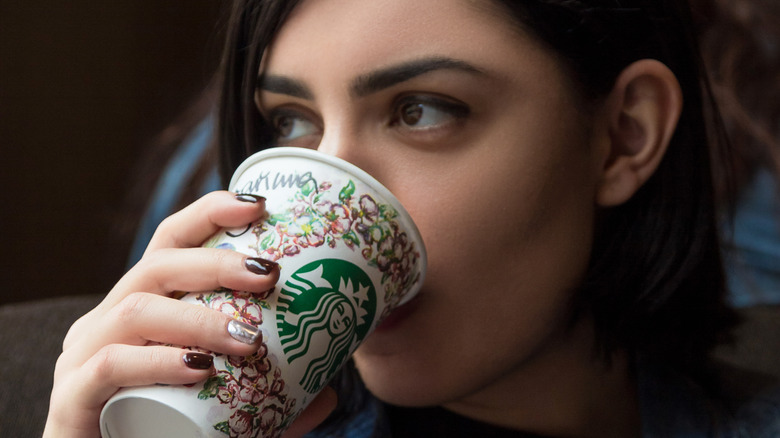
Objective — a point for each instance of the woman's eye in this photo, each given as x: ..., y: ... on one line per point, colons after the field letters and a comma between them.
x: 290, y: 127
x: 424, y: 113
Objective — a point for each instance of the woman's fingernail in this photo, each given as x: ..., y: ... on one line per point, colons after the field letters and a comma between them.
x: 260, y: 266
x: 243, y: 332
x: 198, y: 361
x: 246, y: 197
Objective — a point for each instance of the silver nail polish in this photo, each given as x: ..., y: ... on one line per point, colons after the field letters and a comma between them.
x: 243, y: 332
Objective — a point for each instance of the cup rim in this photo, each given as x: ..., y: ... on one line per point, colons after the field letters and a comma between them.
x: 363, y: 176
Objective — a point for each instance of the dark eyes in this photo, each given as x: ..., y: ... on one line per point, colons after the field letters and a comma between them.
x: 292, y: 127
x: 427, y: 112
x: 410, y: 115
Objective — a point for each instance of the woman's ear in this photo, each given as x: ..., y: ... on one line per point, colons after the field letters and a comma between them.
x: 641, y: 114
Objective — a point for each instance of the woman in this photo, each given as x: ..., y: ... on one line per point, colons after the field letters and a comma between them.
x: 561, y: 186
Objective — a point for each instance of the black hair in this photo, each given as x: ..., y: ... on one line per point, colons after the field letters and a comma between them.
x: 241, y: 129
x: 655, y: 284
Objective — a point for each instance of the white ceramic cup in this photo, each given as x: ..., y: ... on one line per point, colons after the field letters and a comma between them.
x: 349, y: 254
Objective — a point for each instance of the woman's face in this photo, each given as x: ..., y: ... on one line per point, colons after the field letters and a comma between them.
x: 474, y: 126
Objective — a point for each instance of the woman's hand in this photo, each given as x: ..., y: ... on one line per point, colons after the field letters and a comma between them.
x: 108, y: 348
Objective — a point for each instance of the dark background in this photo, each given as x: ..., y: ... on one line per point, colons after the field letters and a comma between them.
x: 85, y: 86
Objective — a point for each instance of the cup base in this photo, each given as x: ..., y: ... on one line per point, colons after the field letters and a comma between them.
x: 142, y: 417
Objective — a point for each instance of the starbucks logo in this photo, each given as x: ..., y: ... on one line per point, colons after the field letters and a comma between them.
x: 324, y: 310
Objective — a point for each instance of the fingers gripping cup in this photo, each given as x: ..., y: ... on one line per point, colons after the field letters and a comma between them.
x: 349, y: 254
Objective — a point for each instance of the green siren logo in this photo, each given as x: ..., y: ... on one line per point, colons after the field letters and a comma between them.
x: 324, y: 310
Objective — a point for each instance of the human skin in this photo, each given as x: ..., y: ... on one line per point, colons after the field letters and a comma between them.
x: 503, y: 166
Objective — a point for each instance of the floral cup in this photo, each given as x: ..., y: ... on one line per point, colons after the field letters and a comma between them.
x: 349, y: 254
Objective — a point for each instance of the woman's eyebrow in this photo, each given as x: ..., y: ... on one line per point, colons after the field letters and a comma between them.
x: 371, y: 82
x: 284, y: 85
x: 389, y: 76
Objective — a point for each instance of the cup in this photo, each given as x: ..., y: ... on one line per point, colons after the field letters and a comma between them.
x: 349, y: 254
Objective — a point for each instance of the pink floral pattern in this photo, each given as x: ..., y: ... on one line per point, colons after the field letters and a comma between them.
x: 357, y: 221
x: 251, y: 386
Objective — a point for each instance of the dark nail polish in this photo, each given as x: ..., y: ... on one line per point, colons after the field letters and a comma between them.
x: 198, y: 361
x: 260, y: 266
x: 245, y: 197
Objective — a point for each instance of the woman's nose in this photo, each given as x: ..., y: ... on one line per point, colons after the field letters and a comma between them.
x: 350, y: 147
x: 341, y: 145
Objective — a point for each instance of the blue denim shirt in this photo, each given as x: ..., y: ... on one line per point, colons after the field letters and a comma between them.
x: 670, y: 407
